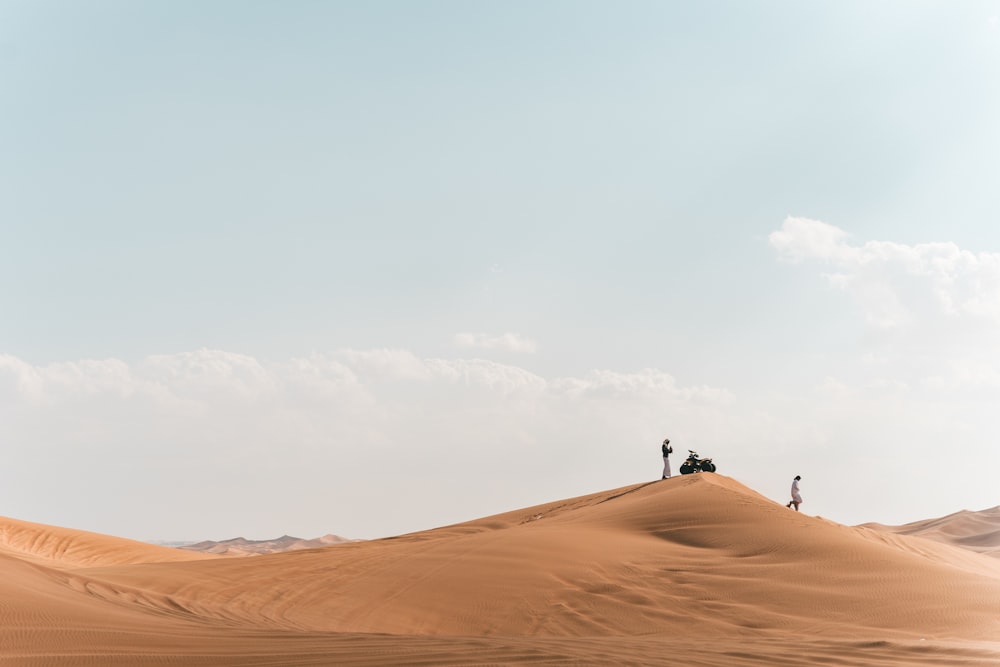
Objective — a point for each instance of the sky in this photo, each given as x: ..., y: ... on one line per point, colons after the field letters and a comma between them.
x: 372, y: 268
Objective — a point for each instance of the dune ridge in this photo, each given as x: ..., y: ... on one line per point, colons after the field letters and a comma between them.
x: 64, y: 548
x: 977, y: 531
x: 696, y: 570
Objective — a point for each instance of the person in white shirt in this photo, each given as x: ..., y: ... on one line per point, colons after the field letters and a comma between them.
x: 796, y: 496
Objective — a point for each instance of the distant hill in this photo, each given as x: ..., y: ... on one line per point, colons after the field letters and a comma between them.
x: 977, y: 531
x: 239, y: 546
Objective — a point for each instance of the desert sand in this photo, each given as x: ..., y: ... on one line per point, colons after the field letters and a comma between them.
x: 697, y: 570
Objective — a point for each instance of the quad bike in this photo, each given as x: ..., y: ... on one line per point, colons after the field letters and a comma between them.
x: 694, y: 464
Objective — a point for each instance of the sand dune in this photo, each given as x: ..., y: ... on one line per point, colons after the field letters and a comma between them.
x: 696, y: 570
x: 978, y: 531
x: 63, y: 548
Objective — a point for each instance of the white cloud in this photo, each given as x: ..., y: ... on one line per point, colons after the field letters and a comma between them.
x: 385, y: 363
x: 899, y: 285
x: 801, y: 239
x: 647, y: 383
x: 510, y: 342
x: 496, y: 377
x: 209, y: 375
x: 19, y: 379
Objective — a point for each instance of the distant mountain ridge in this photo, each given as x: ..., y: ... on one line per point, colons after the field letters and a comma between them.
x: 239, y: 546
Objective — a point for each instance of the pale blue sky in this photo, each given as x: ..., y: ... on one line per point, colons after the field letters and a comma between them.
x: 599, y: 180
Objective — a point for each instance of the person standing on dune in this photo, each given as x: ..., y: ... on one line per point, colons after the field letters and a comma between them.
x: 667, y: 451
x: 796, y: 496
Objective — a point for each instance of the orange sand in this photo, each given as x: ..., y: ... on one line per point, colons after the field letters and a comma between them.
x: 696, y: 570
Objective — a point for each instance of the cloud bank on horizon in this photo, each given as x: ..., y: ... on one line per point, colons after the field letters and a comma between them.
x: 226, y: 433
x: 234, y: 440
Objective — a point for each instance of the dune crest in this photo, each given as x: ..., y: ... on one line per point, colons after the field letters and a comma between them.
x: 976, y: 531
x: 65, y: 548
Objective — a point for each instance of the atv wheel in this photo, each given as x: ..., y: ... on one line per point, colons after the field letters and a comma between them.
x: 687, y: 469
x: 708, y: 466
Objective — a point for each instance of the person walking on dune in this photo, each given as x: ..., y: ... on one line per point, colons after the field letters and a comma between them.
x: 667, y: 451
x: 796, y: 496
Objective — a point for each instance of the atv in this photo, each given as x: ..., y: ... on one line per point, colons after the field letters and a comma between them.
x: 695, y: 464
